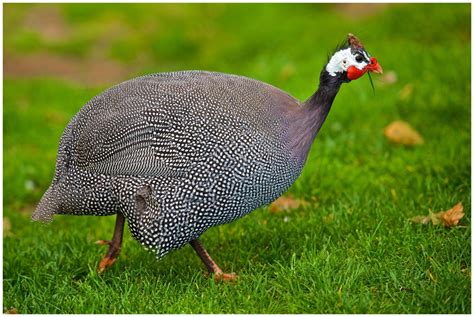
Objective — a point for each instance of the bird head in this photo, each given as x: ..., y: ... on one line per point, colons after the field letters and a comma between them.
x: 351, y: 61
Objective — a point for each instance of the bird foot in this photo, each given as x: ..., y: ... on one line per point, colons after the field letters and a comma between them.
x: 211, y: 265
x: 105, y: 263
x: 223, y: 277
x: 114, y: 245
x: 226, y: 277
x: 103, y: 242
x: 110, y: 257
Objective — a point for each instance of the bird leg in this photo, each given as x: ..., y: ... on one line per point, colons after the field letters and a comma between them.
x: 114, y: 245
x: 211, y: 266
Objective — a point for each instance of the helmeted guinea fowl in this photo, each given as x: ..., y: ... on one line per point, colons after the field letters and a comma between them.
x: 178, y: 153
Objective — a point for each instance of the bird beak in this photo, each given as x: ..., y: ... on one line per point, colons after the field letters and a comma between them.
x: 374, y: 66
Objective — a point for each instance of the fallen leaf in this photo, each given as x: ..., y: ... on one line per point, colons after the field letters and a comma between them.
x: 29, y: 185
x: 452, y: 216
x: 436, y: 219
x: 285, y: 203
x: 430, y: 275
x: 287, y: 71
x: 388, y: 78
x: 357, y: 11
x: 12, y: 310
x: 448, y: 218
x: 424, y: 220
x: 328, y: 218
x: 466, y: 271
x: 7, y: 227
x: 406, y: 92
x: 400, y: 132
x: 394, y: 193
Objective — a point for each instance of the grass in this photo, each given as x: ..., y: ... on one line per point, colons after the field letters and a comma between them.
x: 352, y: 250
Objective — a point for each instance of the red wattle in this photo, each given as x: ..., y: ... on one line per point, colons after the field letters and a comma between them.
x: 354, y: 73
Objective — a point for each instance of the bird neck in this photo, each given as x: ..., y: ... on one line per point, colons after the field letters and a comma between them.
x: 318, y: 105
x: 313, y: 113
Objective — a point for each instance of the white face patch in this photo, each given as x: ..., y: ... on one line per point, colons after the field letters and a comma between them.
x: 343, y: 59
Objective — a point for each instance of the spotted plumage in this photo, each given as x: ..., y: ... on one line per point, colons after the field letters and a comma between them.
x: 177, y: 153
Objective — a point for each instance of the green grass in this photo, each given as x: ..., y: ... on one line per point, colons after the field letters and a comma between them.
x: 352, y: 250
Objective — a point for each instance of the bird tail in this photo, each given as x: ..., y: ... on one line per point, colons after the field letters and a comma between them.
x: 47, y: 207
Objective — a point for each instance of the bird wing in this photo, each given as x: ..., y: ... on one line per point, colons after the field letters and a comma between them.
x: 124, y: 140
x: 163, y: 125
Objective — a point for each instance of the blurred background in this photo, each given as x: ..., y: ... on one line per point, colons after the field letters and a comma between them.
x: 100, y: 44
x: 58, y: 56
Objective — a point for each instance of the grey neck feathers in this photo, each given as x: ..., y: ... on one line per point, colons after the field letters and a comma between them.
x: 311, y: 116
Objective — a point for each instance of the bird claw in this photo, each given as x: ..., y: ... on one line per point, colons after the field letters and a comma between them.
x: 105, y: 263
x: 223, y: 277
x: 104, y: 242
x: 226, y: 277
x: 110, y: 257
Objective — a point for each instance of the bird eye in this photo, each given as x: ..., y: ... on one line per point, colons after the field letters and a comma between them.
x: 359, y: 58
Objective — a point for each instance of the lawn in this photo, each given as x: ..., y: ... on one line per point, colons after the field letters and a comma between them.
x: 352, y: 249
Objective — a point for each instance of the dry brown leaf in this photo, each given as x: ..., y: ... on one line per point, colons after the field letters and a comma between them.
x: 448, y: 218
x: 400, y: 132
x: 424, y: 220
x: 452, y: 216
x: 388, y: 78
x: 357, y: 11
x: 287, y: 71
x: 466, y: 271
x: 7, y: 227
x: 437, y: 218
x: 430, y: 275
x: 328, y: 218
x: 285, y: 203
x: 406, y: 92
x: 12, y: 310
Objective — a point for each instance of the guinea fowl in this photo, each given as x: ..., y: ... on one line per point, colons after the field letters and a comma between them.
x: 178, y: 153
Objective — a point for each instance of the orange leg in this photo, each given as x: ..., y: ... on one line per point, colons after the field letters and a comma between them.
x: 211, y: 266
x: 114, y: 245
